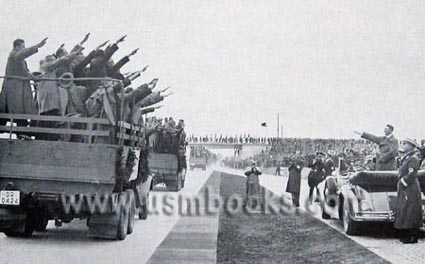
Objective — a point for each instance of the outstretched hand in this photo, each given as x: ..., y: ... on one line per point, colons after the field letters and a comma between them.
x: 145, y: 68
x: 102, y: 45
x: 122, y: 39
x: 162, y: 91
x: 78, y: 50
x: 42, y: 43
x: 357, y: 132
x: 86, y: 37
x: 133, y: 52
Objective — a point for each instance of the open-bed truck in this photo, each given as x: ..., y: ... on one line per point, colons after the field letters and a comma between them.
x: 98, y: 178
x: 168, y: 164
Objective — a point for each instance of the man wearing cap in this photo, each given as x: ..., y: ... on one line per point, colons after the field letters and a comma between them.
x: 408, y: 218
x: 388, y: 149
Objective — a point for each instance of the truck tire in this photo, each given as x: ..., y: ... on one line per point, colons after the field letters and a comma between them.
x: 21, y: 229
x: 179, y: 182
x: 143, y: 212
x: 131, y: 212
x: 122, y: 226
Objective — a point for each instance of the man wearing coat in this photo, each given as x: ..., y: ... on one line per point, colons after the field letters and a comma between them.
x: 253, y: 188
x: 16, y: 95
x: 316, y: 175
x: 408, y: 218
x: 294, y: 181
x: 388, y: 149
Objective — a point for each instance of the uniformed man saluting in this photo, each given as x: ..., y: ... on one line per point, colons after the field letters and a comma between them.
x: 388, y: 149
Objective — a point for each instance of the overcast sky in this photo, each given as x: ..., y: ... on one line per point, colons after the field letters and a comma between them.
x: 328, y: 67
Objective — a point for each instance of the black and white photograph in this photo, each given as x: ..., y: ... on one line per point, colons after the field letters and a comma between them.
x: 212, y: 131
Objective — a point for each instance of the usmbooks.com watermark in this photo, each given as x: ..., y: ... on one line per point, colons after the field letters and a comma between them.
x: 207, y: 202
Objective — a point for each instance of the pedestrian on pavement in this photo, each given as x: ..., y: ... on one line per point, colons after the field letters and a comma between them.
x: 277, y: 172
x: 293, y: 185
x: 386, y: 158
x: 408, y: 217
x: 316, y: 175
x: 253, y: 189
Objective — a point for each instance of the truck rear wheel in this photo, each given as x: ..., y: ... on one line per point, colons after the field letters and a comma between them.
x: 122, y: 227
x: 143, y: 212
x: 179, y: 182
x: 21, y: 229
x: 131, y: 212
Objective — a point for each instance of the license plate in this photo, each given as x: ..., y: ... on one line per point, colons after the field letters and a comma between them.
x: 9, y: 197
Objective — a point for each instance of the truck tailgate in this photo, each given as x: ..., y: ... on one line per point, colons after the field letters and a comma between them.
x: 57, y: 167
x: 163, y: 163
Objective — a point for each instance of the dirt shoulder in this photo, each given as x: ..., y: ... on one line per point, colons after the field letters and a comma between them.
x: 282, y: 238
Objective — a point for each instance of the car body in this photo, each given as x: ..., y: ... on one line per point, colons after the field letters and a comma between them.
x: 360, y: 196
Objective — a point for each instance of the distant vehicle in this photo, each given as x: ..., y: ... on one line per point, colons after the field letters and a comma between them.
x: 98, y: 177
x: 167, y: 159
x: 198, y: 157
x: 359, y: 196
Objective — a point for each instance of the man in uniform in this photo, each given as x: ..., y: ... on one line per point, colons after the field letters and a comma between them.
x: 388, y: 149
x: 408, y: 217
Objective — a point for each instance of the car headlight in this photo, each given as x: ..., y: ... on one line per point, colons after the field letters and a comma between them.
x: 365, y: 206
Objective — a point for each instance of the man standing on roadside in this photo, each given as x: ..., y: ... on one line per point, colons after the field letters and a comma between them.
x: 388, y: 149
x: 253, y: 188
x: 294, y: 180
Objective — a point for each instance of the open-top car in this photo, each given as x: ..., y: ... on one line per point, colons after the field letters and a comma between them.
x: 357, y: 196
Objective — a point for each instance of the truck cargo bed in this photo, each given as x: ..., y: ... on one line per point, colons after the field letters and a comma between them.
x: 57, y: 166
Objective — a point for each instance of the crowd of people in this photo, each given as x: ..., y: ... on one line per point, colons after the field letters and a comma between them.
x: 166, y: 136
x: 71, y: 83
x: 241, y: 139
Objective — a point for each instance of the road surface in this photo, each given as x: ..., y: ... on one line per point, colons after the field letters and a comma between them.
x: 70, y: 244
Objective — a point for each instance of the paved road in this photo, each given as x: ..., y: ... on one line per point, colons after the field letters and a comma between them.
x: 386, y: 246
x: 69, y: 243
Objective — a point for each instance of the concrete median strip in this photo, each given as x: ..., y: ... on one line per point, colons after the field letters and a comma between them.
x: 194, y: 238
